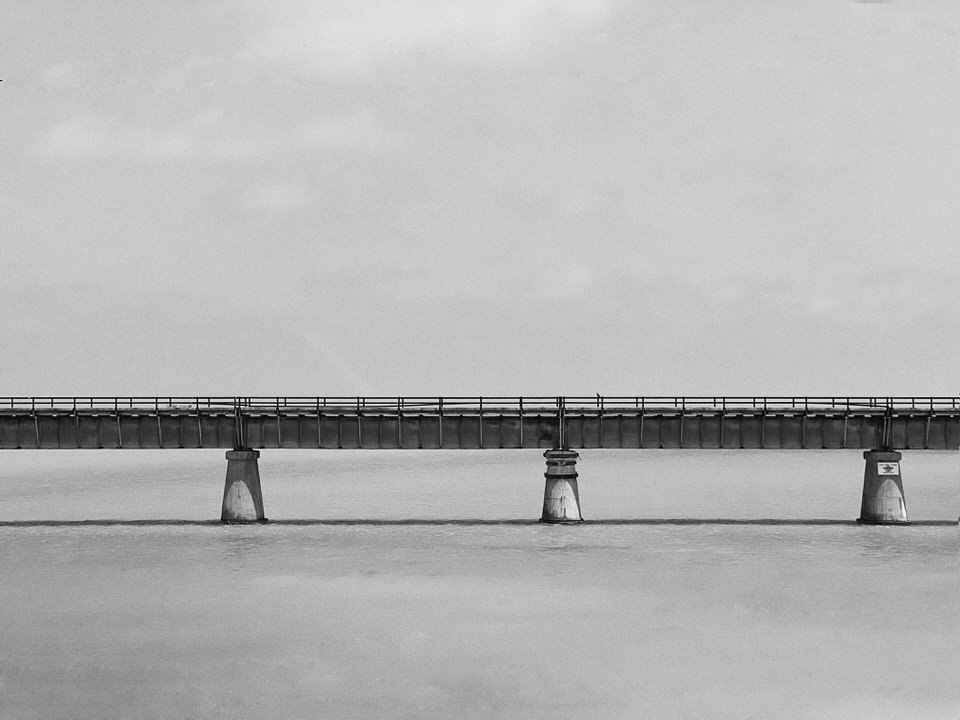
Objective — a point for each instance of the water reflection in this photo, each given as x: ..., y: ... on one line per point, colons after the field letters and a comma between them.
x: 375, y: 522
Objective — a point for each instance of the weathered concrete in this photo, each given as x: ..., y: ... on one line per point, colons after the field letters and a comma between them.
x: 242, y: 499
x: 883, y: 502
x: 561, y: 499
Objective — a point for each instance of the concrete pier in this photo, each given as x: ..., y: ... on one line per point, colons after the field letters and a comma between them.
x: 561, y: 499
x: 242, y: 499
x: 883, y: 502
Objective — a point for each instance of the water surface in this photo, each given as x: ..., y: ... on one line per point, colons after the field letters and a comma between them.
x: 422, y: 586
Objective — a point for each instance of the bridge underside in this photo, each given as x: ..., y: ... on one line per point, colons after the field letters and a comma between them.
x: 306, y: 428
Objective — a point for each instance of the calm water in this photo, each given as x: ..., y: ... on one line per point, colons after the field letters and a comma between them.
x: 476, y: 618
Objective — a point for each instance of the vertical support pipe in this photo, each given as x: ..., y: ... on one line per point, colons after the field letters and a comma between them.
x: 239, y: 440
x: 643, y: 407
x: 521, y: 423
x: 599, y: 421
x: 319, y: 426
x: 560, y: 445
x: 279, y: 426
x: 440, y: 422
x: 199, y: 426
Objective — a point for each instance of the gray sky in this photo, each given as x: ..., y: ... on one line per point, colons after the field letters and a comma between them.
x: 499, y: 197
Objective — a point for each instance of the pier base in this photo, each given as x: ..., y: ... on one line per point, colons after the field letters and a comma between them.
x: 242, y: 499
x: 561, y: 500
x: 883, y: 502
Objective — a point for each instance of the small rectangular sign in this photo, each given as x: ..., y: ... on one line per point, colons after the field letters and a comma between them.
x: 888, y: 468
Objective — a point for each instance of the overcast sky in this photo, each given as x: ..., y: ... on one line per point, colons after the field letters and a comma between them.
x: 496, y: 197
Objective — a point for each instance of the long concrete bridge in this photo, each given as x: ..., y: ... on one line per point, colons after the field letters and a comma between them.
x: 559, y: 425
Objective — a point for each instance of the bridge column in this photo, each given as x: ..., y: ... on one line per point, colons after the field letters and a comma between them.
x: 883, y: 502
x: 561, y: 500
x: 242, y: 500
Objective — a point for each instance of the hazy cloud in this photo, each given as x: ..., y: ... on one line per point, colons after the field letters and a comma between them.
x: 63, y: 75
x: 703, y: 198
x: 356, y: 130
x: 98, y: 136
x: 279, y: 198
x: 334, y: 40
x: 205, y: 136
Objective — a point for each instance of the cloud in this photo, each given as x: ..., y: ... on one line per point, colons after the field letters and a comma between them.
x: 62, y: 75
x: 279, y: 198
x: 334, y: 40
x: 355, y: 130
x: 98, y: 136
x: 873, y: 707
x: 206, y: 136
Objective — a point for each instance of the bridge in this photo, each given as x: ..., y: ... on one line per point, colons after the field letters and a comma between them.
x: 881, y: 426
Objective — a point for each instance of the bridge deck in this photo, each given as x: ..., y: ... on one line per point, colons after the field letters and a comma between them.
x: 472, y: 423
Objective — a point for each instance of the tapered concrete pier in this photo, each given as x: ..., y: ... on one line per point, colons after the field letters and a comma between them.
x: 561, y: 499
x: 242, y: 499
x: 883, y: 502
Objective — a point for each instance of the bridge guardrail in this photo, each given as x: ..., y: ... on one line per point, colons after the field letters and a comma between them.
x: 519, y: 404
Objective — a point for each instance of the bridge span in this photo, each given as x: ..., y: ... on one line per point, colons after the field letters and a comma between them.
x: 559, y: 425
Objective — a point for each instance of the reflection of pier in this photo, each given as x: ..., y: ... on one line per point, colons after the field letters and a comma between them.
x: 559, y: 425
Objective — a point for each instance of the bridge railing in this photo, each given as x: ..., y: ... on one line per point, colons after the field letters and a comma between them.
x: 480, y: 404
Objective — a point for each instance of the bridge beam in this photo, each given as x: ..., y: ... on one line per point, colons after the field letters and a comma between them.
x: 242, y: 499
x: 561, y: 499
x: 883, y: 502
